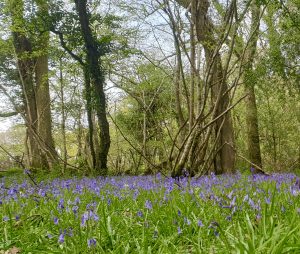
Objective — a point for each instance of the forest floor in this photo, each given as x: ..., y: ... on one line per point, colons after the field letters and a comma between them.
x: 151, y: 214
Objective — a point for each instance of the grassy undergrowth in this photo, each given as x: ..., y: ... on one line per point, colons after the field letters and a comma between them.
x: 152, y: 214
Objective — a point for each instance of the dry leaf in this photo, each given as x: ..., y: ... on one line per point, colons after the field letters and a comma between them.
x: 13, y: 250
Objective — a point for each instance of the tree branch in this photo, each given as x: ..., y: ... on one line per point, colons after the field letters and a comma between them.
x: 9, y: 114
x: 66, y: 48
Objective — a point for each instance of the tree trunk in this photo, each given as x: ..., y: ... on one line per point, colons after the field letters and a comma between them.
x: 35, y: 91
x: 89, y: 109
x: 79, y: 137
x: 43, y: 101
x: 97, y: 77
x: 225, y: 152
x: 251, y: 108
x: 23, y: 50
x: 63, y: 116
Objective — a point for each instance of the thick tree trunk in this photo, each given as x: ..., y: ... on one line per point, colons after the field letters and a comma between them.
x: 23, y: 50
x: 43, y: 103
x: 97, y: 77
x: 225, y: 156
x: 34, y: 78
x: 252, y: 129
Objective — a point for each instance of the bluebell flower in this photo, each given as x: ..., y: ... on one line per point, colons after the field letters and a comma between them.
x: 61, y: 204
x: 77, y: 201
x: 61, y: 238
x: 297, y: 183
x: 70, y: 232
x: 179, y: 230
x: 200, y: 223
x: 91, y: 242
x: 139, y: 214
x: 55, y: 220
x: 94, y: 216
x: 148, y: 204
x: 229, y: 218
x: 27, y: 171
x: 84, y: 218
x: 49, y: 235
x: 187, y: 221
x: 75, y: 209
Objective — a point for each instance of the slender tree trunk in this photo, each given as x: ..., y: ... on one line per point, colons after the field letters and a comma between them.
x: 89, y: 109
x: 97, y: 77
x: 79, y: 137
x: 193, y: 76
x: 251, y: 108
x: 96, y: 141
x: 63, y: 116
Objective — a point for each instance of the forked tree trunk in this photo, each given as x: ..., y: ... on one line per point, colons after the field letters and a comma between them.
x: 225, y: 152
x: 35, y: 87
x: 23, y: 50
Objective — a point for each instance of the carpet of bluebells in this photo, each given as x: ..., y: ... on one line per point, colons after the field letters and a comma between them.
x: 152, y: 214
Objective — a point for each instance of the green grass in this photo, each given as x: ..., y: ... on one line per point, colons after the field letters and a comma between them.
x: 144, y: 215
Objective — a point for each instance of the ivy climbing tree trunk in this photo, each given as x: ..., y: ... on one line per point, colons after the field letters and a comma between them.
x: 95, y: 68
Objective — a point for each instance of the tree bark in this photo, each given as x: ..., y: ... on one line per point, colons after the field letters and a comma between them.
x: 33, y: 72
x: 253, y: 143
x: 89, y: 109
x: 63, y: 116
x: 97, y: 78
x: 252, y: 131
x: 23, y: 50
x: 43, y: 101
x: 225, y: 155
